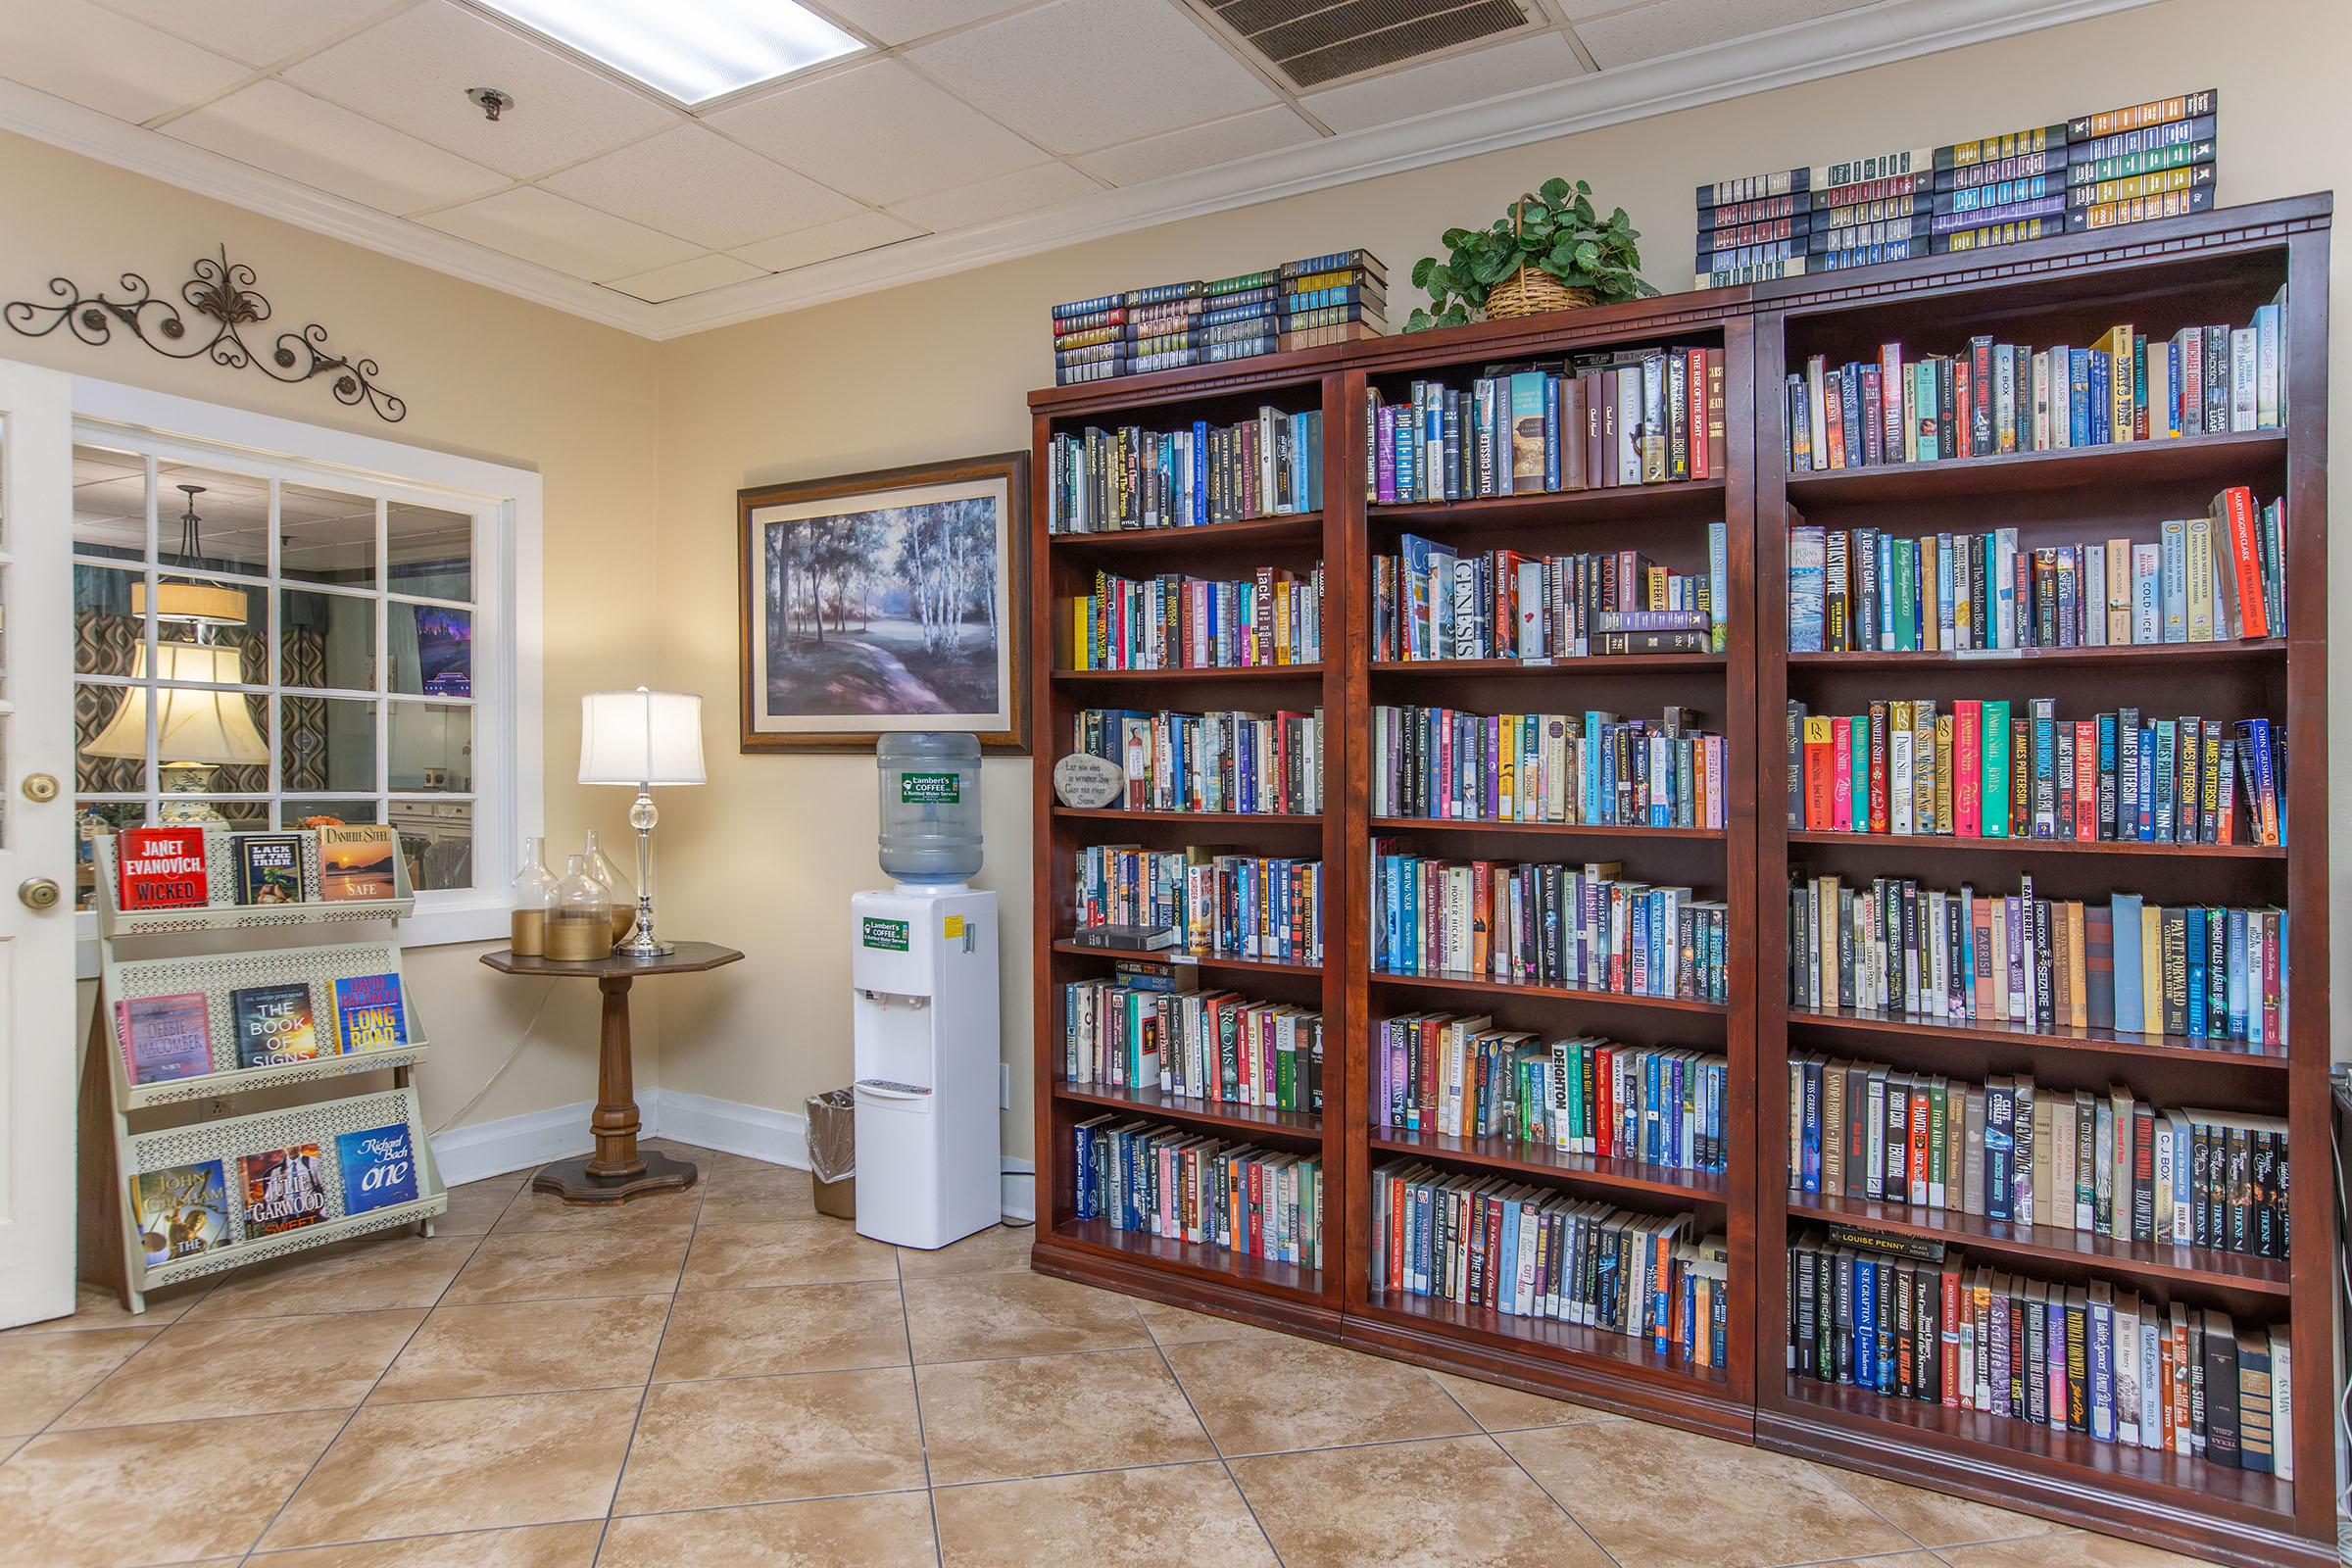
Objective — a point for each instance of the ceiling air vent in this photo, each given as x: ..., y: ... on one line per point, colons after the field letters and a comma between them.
x: 1310, y: 45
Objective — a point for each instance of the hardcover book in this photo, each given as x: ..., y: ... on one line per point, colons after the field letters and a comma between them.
x: 165, y: 1037
x: 368, y: 1014
x: 379, y: 1167
x: 161, y: 868
x: 355, y: 860
x: 180, y: 1211
x: 273, y: 1025
x: 269, y: 868
x: 283, y: 1189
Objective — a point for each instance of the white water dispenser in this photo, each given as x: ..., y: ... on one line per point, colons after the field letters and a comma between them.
x: 923, y: 973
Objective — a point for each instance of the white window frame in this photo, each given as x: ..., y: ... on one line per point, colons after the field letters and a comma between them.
x: 509, y: 715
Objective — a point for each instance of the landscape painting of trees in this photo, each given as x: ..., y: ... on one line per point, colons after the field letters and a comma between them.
x: 884, y: 601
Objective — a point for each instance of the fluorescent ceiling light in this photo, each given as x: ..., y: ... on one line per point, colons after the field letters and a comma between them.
x: 689, y: 51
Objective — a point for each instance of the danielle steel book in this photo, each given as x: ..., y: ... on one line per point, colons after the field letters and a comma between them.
x: 355, y: 860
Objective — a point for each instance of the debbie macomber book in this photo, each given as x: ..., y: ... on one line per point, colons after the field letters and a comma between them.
x: 368, y: 1013
x: 379, y: 1167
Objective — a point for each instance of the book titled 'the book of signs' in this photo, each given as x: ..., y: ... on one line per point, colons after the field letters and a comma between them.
x: 273, y: 1025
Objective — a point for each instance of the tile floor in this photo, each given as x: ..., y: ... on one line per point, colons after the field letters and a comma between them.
x: 724, y: 1377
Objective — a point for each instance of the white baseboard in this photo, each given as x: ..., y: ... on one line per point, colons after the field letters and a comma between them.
x: 779, y: 1137
x: 1020, y: 1190
x: 515, y: 1143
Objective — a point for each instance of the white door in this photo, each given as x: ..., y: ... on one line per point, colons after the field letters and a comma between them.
x: 38, y: 1051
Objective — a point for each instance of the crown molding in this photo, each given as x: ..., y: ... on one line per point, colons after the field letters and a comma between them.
x: 1848, y: 41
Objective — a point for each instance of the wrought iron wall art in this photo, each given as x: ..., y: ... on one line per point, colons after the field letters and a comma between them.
x: 222, y: 292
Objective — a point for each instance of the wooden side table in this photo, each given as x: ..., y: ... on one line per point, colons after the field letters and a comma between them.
x: 618, y: 1171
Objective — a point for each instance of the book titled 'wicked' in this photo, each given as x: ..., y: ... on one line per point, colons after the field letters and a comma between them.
x: 161, y: 869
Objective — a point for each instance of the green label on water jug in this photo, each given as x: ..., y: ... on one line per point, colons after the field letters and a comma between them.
x: 888, y: 935
x: 930, y: 788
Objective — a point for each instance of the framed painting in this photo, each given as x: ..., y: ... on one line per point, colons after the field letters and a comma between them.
x: 885, y: 601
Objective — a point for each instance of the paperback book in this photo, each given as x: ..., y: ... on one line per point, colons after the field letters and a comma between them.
x: 274, y: 1024
x: 164, y: 1038
x: 179, y: 1211
x: 284, y: 1190
x: 378, y: 1167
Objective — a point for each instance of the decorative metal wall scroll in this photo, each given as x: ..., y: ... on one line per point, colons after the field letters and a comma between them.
x: 224, y: 293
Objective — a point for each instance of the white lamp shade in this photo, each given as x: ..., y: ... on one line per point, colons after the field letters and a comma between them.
x: 190, y: 725
x: 640, y: 737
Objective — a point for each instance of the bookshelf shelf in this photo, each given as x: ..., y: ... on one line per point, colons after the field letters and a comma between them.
x: 2202, y: 269
x: 1251, y: 1120
x: 1073, y: 814
x: 1201, y: 961
x: 2265, y: 1276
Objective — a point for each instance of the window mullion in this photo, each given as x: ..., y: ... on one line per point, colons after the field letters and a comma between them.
x: 274, y: 651
x: 383, y: 665
x: 154, y: 782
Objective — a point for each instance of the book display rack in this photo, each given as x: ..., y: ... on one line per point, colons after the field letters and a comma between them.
x: 1568, y: 890
x: 192, y: 1018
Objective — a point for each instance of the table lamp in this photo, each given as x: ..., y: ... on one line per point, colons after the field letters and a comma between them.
x: 196, y: 730
x: 642, y: 738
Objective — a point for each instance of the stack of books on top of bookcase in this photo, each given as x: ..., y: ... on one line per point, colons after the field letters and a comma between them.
x: 1316, y: 300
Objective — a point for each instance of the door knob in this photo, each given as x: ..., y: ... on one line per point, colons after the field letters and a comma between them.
x: 40, y: 787
x: 37, y: 892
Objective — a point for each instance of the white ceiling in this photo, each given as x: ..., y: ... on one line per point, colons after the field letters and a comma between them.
x: 969, y: 132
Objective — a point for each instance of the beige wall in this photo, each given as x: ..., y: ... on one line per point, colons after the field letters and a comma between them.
x: 485, y: 375
x: 768, y: 854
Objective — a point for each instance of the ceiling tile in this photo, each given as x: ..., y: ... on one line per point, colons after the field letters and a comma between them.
x: 1119, y: 69
x: 676, y: 281
x: 286, y: 131
x: 541, y: 226
x: 1674, y: 26
x: 73, y: 50
x: 1000, y: 197
x: 878, y: 132
x: 259, y: 32
x: 898, y: 21
x: 822, y: 243
x: 694, y: 183
x: 413, y: 72
x: 1522, y: 62
x: 1260, y: 130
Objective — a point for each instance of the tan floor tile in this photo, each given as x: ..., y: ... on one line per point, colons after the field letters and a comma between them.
x: 543, y: 1213
x: 94, y: 1500
x: 1704, y: 1503
x: 889, y: 1531
x: 1276, y: 1394
x: 969, y: 1317
x: 817, y: 1251
x: 249, y: 1366
x: 1935, y: 1519
x: 527, y: 1348
x: 999, y: 1250
x: 570, y: 1545
x: 1458, y: 1500
x: 1046, y: 1415
x: 473, y: 1209
x: 2071, y: 1548
x: 548, y: 1267
x: 374, y: 1273
x: 464, y: 1464
x: 40, y: 1374
x: 95, y: 1307
x: 773, y: 1440
x: 1501, y: 1410
x: 1176, y: 1325
x: 777, y: 1329
x: 750, y: 1194
x: 1187, y: 1513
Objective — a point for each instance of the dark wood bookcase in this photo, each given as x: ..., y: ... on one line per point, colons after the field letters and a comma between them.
x: 2210, y: 267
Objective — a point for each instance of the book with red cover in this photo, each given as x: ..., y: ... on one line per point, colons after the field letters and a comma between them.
x: 161, y: 869
x: 1841, y: 774
x: 2087, y: 779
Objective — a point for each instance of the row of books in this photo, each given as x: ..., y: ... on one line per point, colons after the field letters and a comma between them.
x: 1172, y: 621
x: 1112, y: 481
x: 1903, y: 769
x: 1464, y: 1077
x: 1216, y: 1047
x: 2108, y: 1364
x: 2217, y: 579
x: 2121, y: 166
x: 1335, y: 297
x: 1189, y: 1187
x: 1897, y: 949
x: 168, y: 867
x: 1205, y: 899
x: 1573, y: 927
x: 1549, y: 768
x: 1997, y: 397
x: 1228, y: 760
x: 168, y: 1037
x: 1635, y: 416
x: 184, y: 1210
x: 1525, y: 1250
x: 2109, y: 1164
x: 1429, y: 600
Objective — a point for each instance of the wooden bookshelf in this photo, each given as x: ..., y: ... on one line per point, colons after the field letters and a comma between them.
x: 2209, y: 267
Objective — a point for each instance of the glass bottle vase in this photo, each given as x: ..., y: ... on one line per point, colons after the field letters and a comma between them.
x: 580, y: 919
x: 531, y: 892
x: 617, y: 886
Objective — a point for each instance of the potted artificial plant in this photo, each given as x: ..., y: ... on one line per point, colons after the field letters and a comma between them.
x: 1551, y: 252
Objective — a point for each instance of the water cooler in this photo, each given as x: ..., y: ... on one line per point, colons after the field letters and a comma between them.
x: 923, y: 973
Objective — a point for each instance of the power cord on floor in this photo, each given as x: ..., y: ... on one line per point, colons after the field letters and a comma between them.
x: 513, y: 1052
x: 1017, y: 1224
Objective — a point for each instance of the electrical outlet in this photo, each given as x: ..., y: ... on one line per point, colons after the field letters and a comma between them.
x: 217, y: 1107
x: 1003, y: 1086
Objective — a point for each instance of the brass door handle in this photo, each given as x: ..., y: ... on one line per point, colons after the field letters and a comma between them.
x: 38, y: 893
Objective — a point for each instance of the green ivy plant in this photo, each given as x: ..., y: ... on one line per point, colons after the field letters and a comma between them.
x: 1556, y: 230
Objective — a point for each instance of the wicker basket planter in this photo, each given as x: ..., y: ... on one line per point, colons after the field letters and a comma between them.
x: 1531, y: 291
x: 1518, y: 266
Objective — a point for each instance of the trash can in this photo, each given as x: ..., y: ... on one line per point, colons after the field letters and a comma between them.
x: 833, y: 1151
